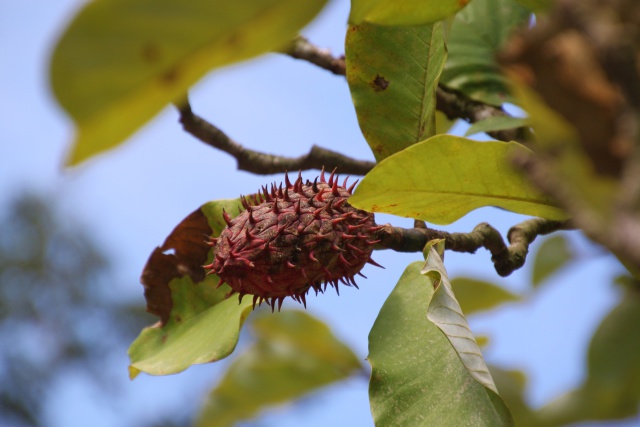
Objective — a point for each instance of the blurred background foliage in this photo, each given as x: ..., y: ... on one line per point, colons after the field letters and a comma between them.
x: 60, y: 312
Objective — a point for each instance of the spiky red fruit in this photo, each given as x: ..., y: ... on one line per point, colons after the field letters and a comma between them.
x: 293, y: 239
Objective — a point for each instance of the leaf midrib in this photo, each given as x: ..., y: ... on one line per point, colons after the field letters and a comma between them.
x: 467, y: 194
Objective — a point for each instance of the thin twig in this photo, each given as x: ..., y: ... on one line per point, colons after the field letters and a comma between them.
x: 263, y: 163
x: 506, y: 259
x: 452, y: 103
x: 301, y: 48
x: 455, y: 104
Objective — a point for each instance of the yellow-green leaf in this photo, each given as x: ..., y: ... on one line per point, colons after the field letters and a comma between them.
x: 444, y: 177
x: 496, y: 123
x: 196, y: 333
x: 294, y: 354
x: 553, y: 253
x: 393, y: 74
x: 403, y: 12
x: 121, y: 61
x: 476, y: 295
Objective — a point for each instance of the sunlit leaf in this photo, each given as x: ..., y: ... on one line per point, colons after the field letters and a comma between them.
x: 612, y: 387
x: 294, y: 354
x: 552, y: 255
x: 121, y: 61
x: 197, y: 332
x: 496, y: 123
x: 443, y: 123
x: 477, y: 33
x: 417, y: 378
x: 198, y: 324
x: 475, y: 295
x: 445, y: 312
x: 403, y: 12
x: 443, y: 178
x: 392, y: 74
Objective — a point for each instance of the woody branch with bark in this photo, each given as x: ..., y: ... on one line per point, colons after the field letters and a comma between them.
x: 506, y: 257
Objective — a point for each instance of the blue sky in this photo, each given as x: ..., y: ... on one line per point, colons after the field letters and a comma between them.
x: 133, y: 196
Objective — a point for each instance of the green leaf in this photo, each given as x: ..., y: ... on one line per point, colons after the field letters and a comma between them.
x: 403, y: 12
x: 477, y: 34
x: 198, y: 324
x: 445, y: 312
x: 496, y: 123
x: 417, y: 378
x: 294, y: 354
x: 612, y: 387
x: 443, y: 123
x: 392, y: 74
x: 476, y: 295
x: 121, y: 61
x: 444, y: 177
x: 553, y: 254
x: 197, y: 331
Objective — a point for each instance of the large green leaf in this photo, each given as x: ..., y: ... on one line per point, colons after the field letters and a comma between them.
x: 445, y: 312
x: 121, y: 61
x: 476, y: 295
x: 403, y: 12
x: 392, y: 74
x: 612, y: 387
x: 294, y: 354
x: 477, y: 33
x: 417, y: 378
x: 198, y: 323
x: 445, y: 177
x: 553, y: 254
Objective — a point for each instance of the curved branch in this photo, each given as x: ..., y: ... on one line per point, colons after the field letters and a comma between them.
x: 506, y: 259
x: 263, y: 163
x: 301, y: 48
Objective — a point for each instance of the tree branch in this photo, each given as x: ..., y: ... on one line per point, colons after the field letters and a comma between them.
x: 263, y: 163
x: 452, y: 103
x: 581, y: 59
x: 506, y: 259
x: 620, y: 233
x: 301, y: 48
x: 455, y: 104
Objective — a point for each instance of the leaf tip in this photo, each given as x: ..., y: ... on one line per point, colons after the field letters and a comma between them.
x: 133, y: 372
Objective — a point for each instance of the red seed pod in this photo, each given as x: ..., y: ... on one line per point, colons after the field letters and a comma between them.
x: 299, y: 237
